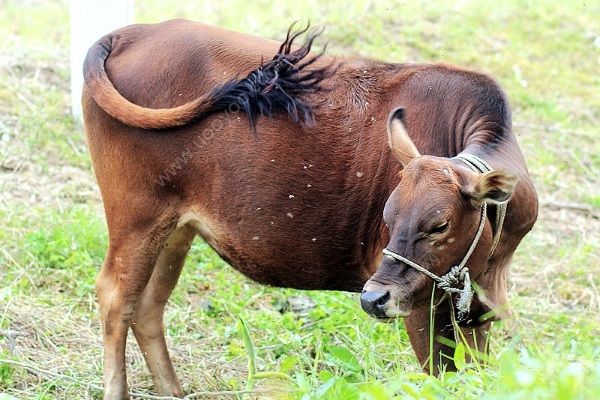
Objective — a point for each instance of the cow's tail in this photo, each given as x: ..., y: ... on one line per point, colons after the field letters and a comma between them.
x: 278, y: 85
x: 110, y: 100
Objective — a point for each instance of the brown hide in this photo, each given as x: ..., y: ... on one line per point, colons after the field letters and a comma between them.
x: 291, y: 204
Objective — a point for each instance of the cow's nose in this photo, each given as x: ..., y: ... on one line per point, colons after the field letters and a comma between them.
x: 372, y: 303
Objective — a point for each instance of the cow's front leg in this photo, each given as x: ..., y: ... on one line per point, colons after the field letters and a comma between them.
x: 422, y: 338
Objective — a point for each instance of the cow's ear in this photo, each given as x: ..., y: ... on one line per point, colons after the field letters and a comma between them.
x: 493, y: 187
x: 399, y: 141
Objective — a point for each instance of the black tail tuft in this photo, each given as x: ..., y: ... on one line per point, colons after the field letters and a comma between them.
x: 279, y: 84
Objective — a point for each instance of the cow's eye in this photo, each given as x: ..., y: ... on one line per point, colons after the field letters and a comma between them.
x: 440, y: 228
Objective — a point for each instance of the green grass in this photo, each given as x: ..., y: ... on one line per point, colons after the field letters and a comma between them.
x: 53, y: 236
x: 331, y: 351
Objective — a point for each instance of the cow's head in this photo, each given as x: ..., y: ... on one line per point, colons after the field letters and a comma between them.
x: 432, y: 216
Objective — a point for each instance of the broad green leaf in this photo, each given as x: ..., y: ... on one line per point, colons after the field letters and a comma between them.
x: 344, y: 358
x: 459, y: 356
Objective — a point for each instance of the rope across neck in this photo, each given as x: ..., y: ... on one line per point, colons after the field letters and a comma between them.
x: 477, y: 164
x: 458, y: 275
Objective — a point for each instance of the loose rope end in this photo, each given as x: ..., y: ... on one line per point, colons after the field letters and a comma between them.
x: 465, y: 298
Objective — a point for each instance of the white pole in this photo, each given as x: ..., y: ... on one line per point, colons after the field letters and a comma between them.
x: 90, y: 20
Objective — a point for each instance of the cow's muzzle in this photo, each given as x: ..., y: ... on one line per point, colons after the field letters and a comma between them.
x: 373, y: 303
x: 385, y: 301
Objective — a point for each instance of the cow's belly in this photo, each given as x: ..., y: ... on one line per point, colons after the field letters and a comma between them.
x: 279, y: 256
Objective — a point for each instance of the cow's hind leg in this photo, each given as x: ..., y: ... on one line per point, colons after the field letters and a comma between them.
x: 131, y: 257
x: 148, y: 320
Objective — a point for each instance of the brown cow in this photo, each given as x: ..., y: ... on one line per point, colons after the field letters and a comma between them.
x: 284, y: 169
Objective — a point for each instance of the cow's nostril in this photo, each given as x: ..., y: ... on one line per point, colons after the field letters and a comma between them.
x: 372, y: 302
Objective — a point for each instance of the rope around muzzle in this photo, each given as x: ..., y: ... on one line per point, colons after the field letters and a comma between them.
x: 457, y: 280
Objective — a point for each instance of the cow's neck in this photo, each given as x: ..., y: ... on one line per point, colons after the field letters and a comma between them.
x: 362, y: 115
x: 371, y: 176
x: 383, y: 172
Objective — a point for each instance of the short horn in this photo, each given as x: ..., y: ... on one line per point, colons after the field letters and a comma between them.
x: 400, y: 143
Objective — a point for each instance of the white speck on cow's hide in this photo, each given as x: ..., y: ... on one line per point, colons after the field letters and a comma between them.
x: 438, y: 211
x: 372, y: 119
x: 451, y: 240
x: 258, y: 209
x: 359, y: 174
x: 291, y: 196
x: 442, y: 247
x: 445, y: 171
x: 273, y: 160
x: 314, y: 239
x: 308, y: 185
x: 119, y: 259
x: 290, y: 215
x: 272, y: 223
x: 256, y: 238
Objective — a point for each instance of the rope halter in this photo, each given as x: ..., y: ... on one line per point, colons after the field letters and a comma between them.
x: 457, y: 279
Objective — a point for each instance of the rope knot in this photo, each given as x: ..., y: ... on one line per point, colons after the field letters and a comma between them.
x: 459, y: 276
